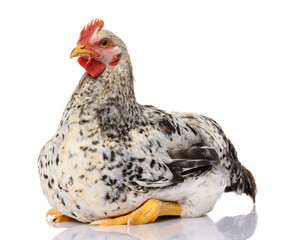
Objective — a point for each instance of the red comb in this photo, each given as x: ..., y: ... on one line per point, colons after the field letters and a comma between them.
x: 88, y: 30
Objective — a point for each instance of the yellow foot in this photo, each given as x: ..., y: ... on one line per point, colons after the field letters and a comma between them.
x: 146, y: 213
x: 57, y: 217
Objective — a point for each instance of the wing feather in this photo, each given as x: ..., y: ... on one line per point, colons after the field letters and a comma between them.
x: 191, y: 162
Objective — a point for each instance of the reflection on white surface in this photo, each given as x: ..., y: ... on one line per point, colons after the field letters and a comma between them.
x: 238, y: 227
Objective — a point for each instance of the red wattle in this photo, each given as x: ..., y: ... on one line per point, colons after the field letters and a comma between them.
x: 92, y: 66
x: 82, y: 61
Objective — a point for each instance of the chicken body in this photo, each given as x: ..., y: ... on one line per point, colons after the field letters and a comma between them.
x: 110, y: 154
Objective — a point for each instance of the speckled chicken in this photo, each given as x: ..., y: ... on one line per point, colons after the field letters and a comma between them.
x: 114, y: 161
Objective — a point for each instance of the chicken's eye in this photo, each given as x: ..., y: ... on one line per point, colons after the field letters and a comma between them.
x: 104, y: 43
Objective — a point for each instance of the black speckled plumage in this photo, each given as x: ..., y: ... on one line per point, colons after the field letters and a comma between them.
x: 110, y: 154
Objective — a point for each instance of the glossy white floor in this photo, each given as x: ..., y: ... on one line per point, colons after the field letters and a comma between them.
x: 237, y: 227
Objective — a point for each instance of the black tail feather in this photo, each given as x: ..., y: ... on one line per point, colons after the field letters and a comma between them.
x: 246, y: 184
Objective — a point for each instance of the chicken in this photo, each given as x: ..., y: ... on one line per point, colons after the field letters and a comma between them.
x: 114, y: 161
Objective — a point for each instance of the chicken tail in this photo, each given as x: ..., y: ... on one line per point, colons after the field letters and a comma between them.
x: 245, y: 184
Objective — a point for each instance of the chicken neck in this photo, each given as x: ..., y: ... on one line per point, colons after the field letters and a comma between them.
x: 110, y: 99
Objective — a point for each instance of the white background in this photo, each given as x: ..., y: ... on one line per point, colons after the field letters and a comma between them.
x: 219, y: 58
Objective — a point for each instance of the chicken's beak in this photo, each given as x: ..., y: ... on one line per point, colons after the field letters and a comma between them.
x: 80, y: 50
